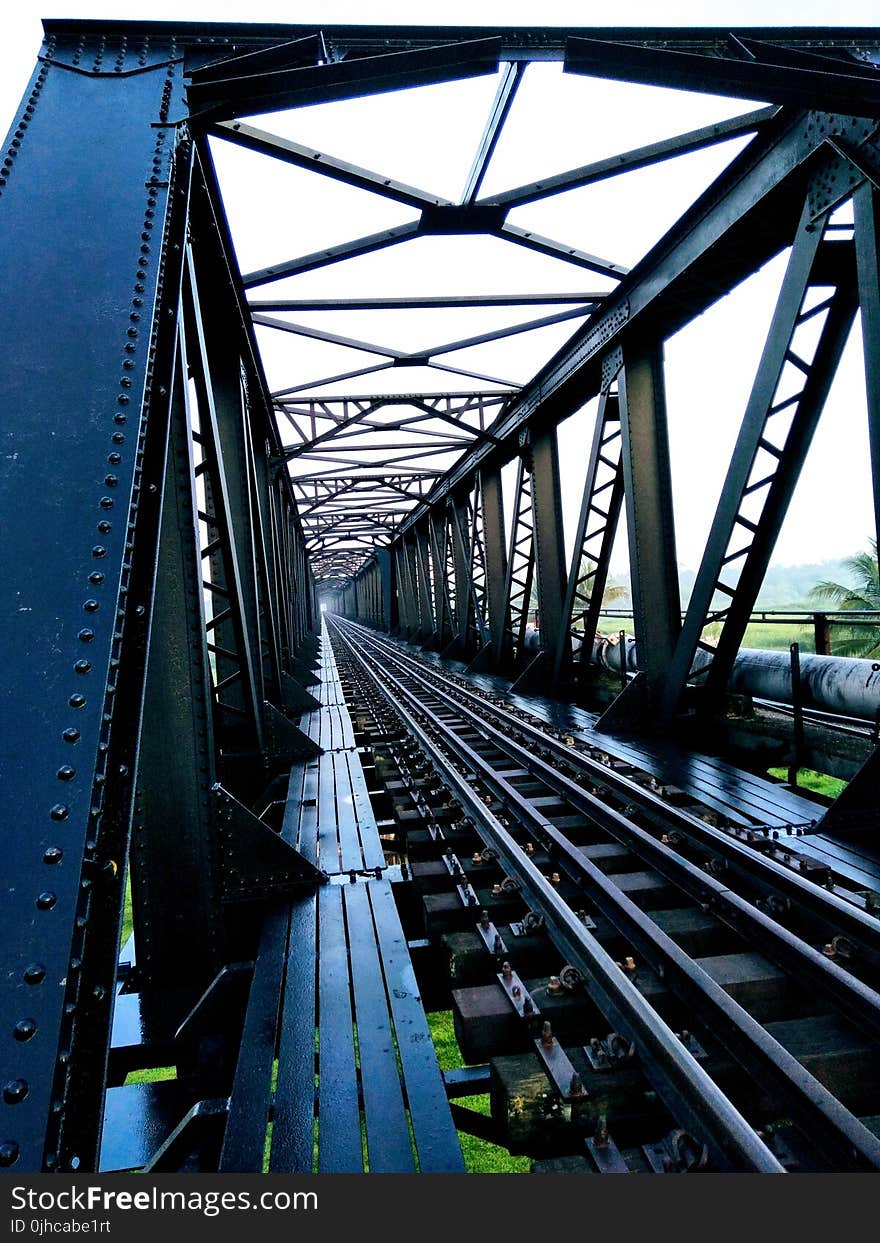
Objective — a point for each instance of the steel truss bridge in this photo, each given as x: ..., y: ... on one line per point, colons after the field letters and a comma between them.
x: 271, y: 662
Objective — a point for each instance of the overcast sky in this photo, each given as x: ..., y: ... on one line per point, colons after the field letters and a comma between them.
x: 709, y: 366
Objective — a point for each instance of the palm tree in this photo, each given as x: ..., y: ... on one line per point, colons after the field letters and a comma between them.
x: 862, y: 595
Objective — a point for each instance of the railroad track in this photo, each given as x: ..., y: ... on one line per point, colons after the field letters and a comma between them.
x: 849, y: 726
x: 671, y: 927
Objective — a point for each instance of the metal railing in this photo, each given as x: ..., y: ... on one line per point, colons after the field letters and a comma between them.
x: 822, y: 621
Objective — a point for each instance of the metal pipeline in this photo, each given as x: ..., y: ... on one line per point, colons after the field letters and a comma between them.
x: 836, y: 684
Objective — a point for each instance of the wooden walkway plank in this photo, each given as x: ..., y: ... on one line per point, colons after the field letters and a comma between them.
x: 293, y: 1129
x: 436, y: 1139
x: 328, y: 825
x: 244, y: 1141
x: 389, y: 1144
x: 339, y: 1122
x: 371, y: 843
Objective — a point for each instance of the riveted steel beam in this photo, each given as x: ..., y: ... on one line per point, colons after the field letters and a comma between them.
x: 789, y: 391
x: 867, y: 241
x: 65, y: 608
x: 647, y: 486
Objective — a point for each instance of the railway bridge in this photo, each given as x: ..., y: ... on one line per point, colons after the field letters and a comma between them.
x: 313, y: 725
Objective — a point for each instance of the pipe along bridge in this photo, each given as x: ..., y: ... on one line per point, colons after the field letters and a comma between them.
x: 288, y: 769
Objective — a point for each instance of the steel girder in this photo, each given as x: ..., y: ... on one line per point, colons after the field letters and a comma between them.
x: 591, y: 555
x: 773, y: 442
x: 118, y: 718
x: 519, y: 579
x: 76, y: 610
x: 647, y: 486
x: 748, y: 215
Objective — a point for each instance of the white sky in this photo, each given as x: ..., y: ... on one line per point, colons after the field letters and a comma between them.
x: 709, y: 367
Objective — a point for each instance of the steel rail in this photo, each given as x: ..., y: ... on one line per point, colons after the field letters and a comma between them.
x: 844, y: 1139
x: 842, y: 916
x: 685, y: 1087
x: 860, y: 1002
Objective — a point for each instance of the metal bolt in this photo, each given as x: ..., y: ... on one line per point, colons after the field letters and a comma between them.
x: 15, y: 1091
x: 34, y: 973
x: 46, y: 901
x: 9, y: 1151
x: 24, y: 1030
x: 547, y: 1039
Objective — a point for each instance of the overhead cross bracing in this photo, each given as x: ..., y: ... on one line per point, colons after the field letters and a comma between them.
x: 339, y: 443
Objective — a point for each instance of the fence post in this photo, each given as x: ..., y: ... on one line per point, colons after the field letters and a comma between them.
x: 821, y: 634
x: 797, y: 703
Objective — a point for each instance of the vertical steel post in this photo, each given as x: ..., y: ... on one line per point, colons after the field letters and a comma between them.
x: 821, y: 635
x: 496, y: 553
x: 388, y: 615
x: 459, y: 533
x: 174, y: 865
x: 520, y: 566
x: 426, y: 600
x: 866, y: 205
x: 77, y: 347
x: 438, y: 535
x: 593, y: 541
x: 797, y: 707
x: 549, y: 538
x: 649, y: 515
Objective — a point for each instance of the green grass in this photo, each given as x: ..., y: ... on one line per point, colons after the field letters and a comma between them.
x: 153, y: 1074
x: 126, y: 913
x: 480, y: 1156
x: 759, y: 634
x: 778, y: 638
x: 819, y: 783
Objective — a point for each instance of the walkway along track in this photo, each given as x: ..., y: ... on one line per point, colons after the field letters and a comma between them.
x: 519, y: 787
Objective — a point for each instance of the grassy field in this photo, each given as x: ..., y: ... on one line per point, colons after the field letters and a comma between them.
x: 480, y: 1156
x: 820, y: 783
x: 765, y: 635
x: 777, y: 638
